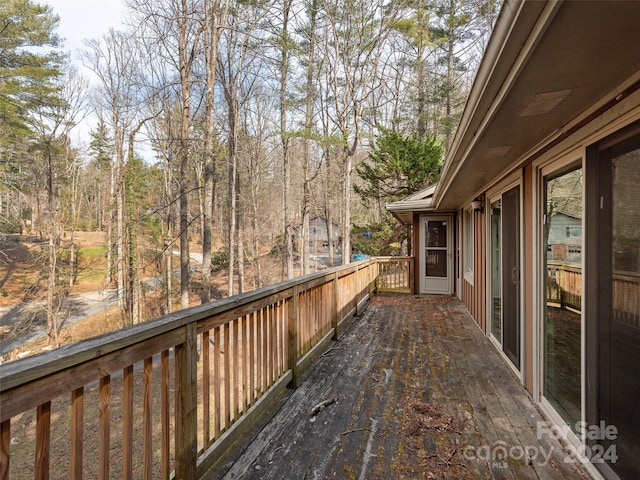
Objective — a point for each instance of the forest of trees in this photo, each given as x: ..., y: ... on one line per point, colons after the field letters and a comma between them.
x: 228, y: 123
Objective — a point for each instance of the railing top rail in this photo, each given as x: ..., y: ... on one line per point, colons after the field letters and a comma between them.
x: 393, y: 257
x: 25, y: 370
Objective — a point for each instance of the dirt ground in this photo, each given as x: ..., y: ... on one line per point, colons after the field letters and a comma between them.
x: 21, y: 257
x: 22, y: 283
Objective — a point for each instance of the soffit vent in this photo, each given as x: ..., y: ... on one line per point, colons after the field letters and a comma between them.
x: 498, y: 151
x: 543, y: 103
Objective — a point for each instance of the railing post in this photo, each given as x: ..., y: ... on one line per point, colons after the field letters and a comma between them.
x: 334, y: 312
x: 186, y: 357
x: 373, y: 276
x: 412, y: 280
x: 358, y: 291
x: 293, y: 338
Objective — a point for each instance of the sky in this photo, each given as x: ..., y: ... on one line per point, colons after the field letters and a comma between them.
x: 85, y: 19
x: 81, y: 20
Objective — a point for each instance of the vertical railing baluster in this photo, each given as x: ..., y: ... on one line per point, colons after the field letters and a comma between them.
x: 273, y: 340
x: 265, y: 351
x: 104, y: 428
x: 236, y: 370
x: 227, y: 377
x: 147, y: 421
x: 5, y: 445
x: 217, y: 397
x: 252, y: 358
x: 259, y: 333
x: 206, y: 389
x: 245, y: 361
x: 292, y: 322
x: 77, y: 430
x: 269, y: 340
x: 165, y: 441
x: 43, y: 441
x: 127, y: 423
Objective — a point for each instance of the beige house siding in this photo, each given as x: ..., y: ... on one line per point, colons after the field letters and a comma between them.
x: 474, y: 296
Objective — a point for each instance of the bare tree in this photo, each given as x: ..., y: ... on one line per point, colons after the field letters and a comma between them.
x: 235, y: 77
x: 285, y: 46
x: 54, y: 122
x: 356, y: 34
x: 309, y: 128
x: 214, y: 19
x: 117, y: 63
x: 176, y: 28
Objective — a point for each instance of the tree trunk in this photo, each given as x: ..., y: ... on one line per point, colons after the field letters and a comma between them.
x: 255, y: 247
x: 185, y: 78
x: 233, y: 169
x: 110, y: 225
x: 169, y: 259
x: 308, y: 125
x: 213, y: 18
x: 52, y: 310
x: 286, y: 163
x: 121, y: 251
x: 329, y: 209
x: 240, y: 232
x: 52, y: 251
x: 346, y: 219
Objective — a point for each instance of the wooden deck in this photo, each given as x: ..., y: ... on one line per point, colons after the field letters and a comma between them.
x: 420, y: 393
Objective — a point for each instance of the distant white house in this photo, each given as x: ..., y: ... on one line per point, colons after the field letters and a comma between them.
x: 564, y: 242
x: 318, y: 235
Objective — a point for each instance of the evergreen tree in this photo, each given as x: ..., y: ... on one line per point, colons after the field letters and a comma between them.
x: 398, y: 166
x: 101, y: 146
x: 28, y: 71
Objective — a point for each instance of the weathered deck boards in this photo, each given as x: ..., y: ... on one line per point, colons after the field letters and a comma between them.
x: 420, y: 394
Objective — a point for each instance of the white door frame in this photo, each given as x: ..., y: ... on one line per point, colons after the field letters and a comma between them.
x: 436, y: 285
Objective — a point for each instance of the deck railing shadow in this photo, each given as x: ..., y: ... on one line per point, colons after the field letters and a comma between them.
x: 162, y: 398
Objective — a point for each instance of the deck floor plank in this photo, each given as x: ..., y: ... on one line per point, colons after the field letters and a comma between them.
x: 420, y: 391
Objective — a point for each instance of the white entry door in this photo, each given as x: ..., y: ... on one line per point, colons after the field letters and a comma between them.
x: 436, y: 265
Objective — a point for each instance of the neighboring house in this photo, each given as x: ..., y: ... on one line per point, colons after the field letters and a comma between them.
x: 564, y: 240
x: 552, y: 120
x: 319, y: 236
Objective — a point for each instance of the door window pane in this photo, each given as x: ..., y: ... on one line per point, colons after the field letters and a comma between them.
x: 436, y: 233
x: 436, y: 263
x: 563, y: 288
x: 436, y: 248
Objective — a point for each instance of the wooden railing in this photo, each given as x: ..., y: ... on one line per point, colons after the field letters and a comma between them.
x: 564, y: 287
x: 395, y: 275
x: 159, y: 399
x: 626, y: 295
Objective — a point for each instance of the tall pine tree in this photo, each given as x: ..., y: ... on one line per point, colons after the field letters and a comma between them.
x: 29, y: 66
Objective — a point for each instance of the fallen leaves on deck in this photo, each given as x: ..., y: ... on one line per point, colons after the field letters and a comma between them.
x: 420, y: 417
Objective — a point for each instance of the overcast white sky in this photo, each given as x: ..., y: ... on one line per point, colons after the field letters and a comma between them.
x: 82, y: 19
x: 86, y: 19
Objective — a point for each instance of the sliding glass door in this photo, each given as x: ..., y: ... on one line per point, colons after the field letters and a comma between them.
x: 504, y: 277
x: 562, y: 273
x: 614, y: 357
